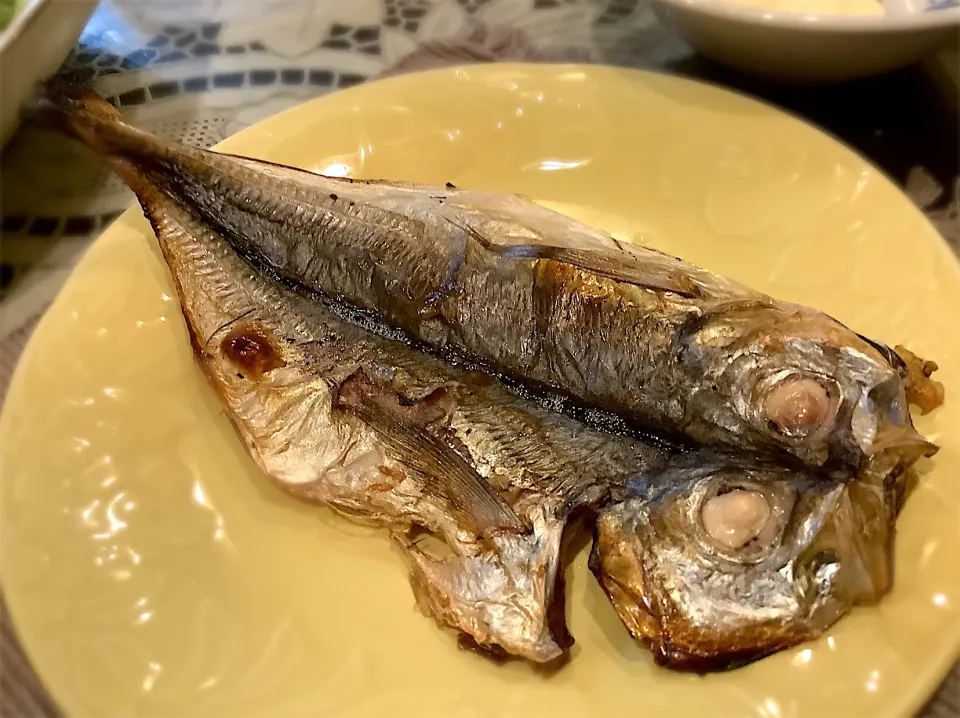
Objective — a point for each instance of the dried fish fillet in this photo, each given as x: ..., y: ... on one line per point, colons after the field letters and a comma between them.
x: 339, y: 410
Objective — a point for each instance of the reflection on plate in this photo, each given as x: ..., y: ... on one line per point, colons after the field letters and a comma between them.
x: 152, y: 571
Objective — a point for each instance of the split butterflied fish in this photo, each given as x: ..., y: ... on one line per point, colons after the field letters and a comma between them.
x: 350, y: 416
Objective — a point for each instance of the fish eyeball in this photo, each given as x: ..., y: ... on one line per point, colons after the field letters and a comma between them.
x: 735, y: 518
x: 798, y: 405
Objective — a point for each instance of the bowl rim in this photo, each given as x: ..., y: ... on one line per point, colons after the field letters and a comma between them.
x: 908, y: 22
x: 20, y: 20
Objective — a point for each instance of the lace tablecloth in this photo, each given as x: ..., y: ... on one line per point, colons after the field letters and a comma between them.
x: 200, y: 70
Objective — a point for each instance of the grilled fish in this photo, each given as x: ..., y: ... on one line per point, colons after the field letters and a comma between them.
x: 341, y: 415
x: 717, y: 568
x: 531, y: 295
x: 380, y: 432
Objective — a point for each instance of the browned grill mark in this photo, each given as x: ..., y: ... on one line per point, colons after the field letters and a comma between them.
x: 252, y: 351
x: 392, y: 473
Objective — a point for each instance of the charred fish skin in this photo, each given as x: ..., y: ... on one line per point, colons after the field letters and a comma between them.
x: 717, y: 567
x: 534, y: 296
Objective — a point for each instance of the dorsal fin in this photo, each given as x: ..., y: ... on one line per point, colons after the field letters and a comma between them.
x: 620, y: 262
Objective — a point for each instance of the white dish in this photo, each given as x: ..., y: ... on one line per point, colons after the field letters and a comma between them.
x: 776, y: 42
x: 32, y: 47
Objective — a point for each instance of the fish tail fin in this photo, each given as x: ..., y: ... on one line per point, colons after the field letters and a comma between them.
x: 77, y: 112
x: 85, y: 116
x: 89, y: 118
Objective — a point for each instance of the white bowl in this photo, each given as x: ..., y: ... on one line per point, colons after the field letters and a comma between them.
x: 32, y: 48
x: 785, y: 45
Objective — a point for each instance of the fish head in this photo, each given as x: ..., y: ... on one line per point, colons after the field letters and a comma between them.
x: 801, y: 382
x: 714, y: 564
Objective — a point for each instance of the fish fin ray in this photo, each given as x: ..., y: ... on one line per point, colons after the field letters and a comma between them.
x: 891, y: 356
x: 620, y: 266
x: 473, y: 233
x: 443, y: 471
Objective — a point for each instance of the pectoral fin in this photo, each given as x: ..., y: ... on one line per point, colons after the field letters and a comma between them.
x: 403, y: 426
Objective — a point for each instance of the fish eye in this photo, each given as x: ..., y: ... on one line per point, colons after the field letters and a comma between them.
x: 743, y: 519
x: 799, y: 405
x: 734, y: 518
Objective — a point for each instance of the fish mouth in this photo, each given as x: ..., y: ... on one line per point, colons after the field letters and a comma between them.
x: 890, y: 430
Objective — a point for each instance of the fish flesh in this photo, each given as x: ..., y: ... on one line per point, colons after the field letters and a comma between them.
x: 338, y: 414
x: 713, y: 568
x: 537, y: 298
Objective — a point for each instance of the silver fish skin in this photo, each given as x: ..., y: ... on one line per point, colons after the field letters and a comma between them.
x: 529, y: 294
x: 382, y: 434
x: 376, y: 430
x: 342, y: 416
x: 706, y: 600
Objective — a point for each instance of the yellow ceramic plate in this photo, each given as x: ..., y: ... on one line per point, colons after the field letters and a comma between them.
x: 152, y: 571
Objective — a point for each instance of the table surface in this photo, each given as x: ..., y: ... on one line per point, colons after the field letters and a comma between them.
x: 200, y: 70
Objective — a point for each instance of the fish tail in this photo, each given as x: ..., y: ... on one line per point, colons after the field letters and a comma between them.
x: 87, y: 117
x: 77, y: 112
